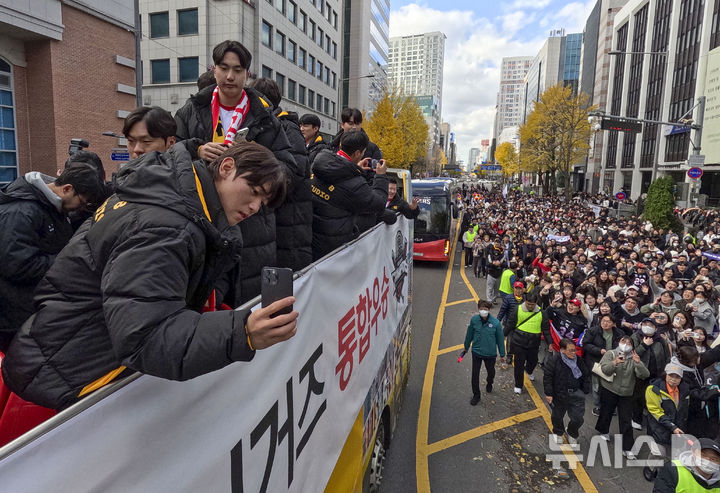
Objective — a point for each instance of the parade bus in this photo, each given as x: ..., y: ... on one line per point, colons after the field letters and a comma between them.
x: 434, y: 226
x: 311, y: 414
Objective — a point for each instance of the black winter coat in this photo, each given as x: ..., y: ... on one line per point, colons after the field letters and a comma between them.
x: 293, y: 219
x: 364, y: 220
x: 258, y: 231
x: 32, y: 232
x: 593, y: 343
x: 341, y: 192
x: 559, y: 378
x: 128, y: 289
x: 314, y: 148
x: 399, y: 204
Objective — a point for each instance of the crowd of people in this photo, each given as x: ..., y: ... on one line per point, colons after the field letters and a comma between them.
x: 615, y: 308
x: 103, y: 278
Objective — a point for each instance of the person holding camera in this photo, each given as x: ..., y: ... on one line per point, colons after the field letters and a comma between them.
x: 341, y: 192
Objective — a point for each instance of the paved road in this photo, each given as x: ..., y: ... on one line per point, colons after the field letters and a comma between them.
x: 443, y: 444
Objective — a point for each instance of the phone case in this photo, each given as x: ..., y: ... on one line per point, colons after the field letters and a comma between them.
x: 276, y: 283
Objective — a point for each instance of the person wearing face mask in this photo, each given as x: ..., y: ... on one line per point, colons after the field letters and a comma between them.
x: 485, y: 335
x: 597, y: 341
x: 626, y: 368
x: 702, y: 312
x: 654, y: 351
x: 566, y: 382
x: 693, y: 471
x: 668, y: 400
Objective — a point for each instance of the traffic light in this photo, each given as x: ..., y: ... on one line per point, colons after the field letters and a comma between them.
x: 620, y: 125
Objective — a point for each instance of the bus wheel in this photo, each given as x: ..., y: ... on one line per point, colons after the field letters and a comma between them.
x: 377, y: 461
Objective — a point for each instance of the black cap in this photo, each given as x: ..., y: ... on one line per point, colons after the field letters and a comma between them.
x: 650, y: 320
x: 708, y: 443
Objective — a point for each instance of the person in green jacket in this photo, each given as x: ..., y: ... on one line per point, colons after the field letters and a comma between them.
x: 485, y: 334
x: 624, y: 366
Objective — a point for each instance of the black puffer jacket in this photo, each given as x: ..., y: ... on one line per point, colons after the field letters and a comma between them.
x: 364, y: 220
x: 314, y: 148
x: 293, y: 218
x: 559, y: 378
x: 32, y: 231
x: 128, y: 289
x: 258, y: 231
x: 593, y: 343
x: 341, y: 192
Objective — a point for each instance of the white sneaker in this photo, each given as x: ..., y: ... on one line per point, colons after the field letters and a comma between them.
x: 517, y: 390
x: 530, y: 376
x: 556, y: 438
x: 605, y: 437
x: 629, y: 455
x: 635, y: 425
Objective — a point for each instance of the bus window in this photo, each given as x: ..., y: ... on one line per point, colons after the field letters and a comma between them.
x: 433, y: 218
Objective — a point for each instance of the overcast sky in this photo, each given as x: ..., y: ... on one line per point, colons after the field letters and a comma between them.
x: 479, y: 34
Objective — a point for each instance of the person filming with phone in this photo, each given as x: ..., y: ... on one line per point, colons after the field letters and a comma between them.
x: 341, y: 192
x: 127, y: 292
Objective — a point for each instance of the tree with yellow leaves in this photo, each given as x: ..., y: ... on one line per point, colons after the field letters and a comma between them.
x: 507, y: 157
x: 556, y: 135
x: 398, y: 127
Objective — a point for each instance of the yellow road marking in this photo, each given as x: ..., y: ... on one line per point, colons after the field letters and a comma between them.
x: 421, y: 441
x: 482, y: 430
x: 464, y: 277
x: 450, y: 349
x: 580, y: 472
x: 453, y: 303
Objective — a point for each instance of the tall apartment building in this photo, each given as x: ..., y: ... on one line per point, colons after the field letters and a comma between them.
x: 295, y: 43
x: 558, y: 61
x: 674, y: 62
x: 473, y: 158
x: 594, y: 79
x: 444, y: 141
x: 366, y: 35
x: 67, y: 70
x: 416, y: 68
x: 510, y: 104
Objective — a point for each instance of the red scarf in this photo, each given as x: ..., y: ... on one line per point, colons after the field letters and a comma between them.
x: 344, y: 154
x: 238, y: 117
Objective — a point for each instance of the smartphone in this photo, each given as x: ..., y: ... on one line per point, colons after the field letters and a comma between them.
x: 241, y: 134
x: 276, y: 283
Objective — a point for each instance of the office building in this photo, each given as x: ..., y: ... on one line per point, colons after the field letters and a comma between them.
x: 675, y: 63
x: 416, y: 69
x: 444, y: 141
x: 594, y: 77
x: 366, y: 36
x: 67, y: 70
x: 510, y: 104
x: 297, y: 44
x: 473, y: 158
x: 557, y: 62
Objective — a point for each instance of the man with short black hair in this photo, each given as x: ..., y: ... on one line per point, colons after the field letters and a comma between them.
x: 341, y: 192
x: 310, y: 128
x: 147, y: 129
x: 34, y: 227
x: 351, y: 119
x: 215, y: 116
x: 396, y: 203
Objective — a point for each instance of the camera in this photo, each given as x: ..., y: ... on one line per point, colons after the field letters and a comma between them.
x: 77, y: 145
x: 374, y: 163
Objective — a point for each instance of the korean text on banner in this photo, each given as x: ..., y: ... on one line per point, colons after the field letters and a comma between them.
x: 277, y: 423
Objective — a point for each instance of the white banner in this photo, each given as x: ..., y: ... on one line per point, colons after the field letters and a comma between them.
x: 276, y: 424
